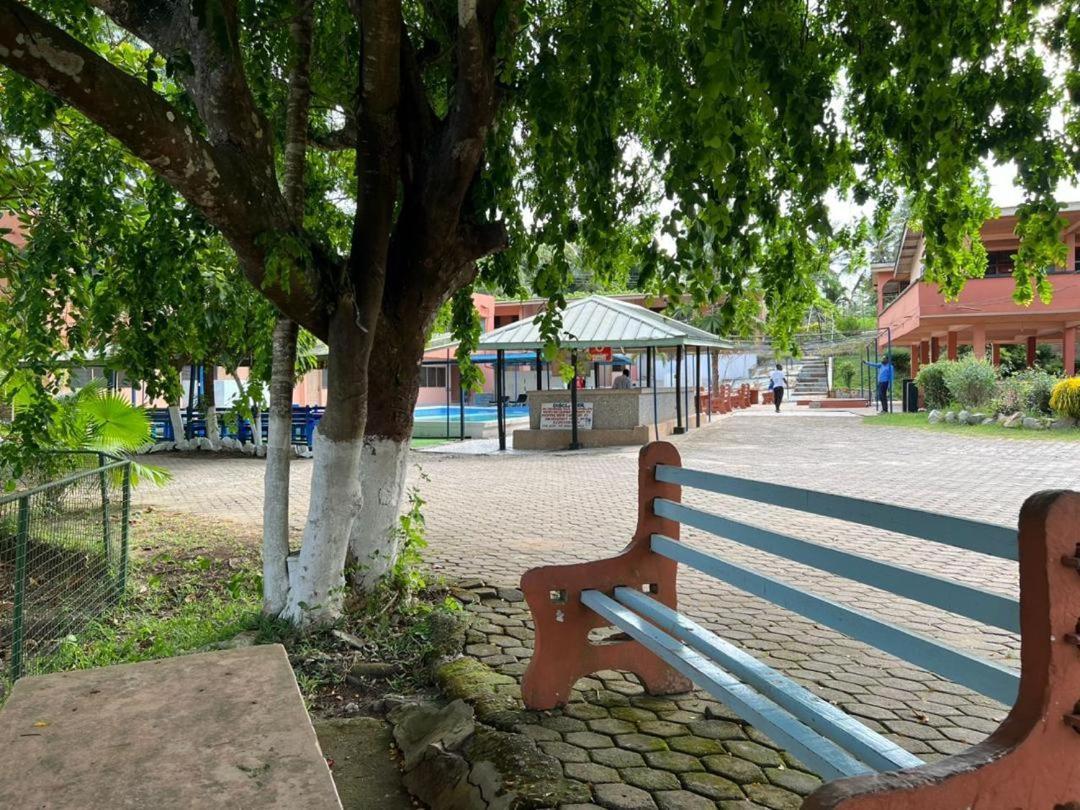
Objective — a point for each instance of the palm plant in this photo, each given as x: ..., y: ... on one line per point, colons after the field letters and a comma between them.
x: 95, y: 419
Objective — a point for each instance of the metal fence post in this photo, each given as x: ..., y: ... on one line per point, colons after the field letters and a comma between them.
x: 126, y: 512
x: 22, y: 540
x: 105, y: 531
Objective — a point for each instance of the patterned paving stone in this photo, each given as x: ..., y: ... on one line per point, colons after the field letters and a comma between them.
x: 695, y: 746
x: 632, y: 714
x: 662, y: 728
x: 640, y: 742
x: 682, y: 800
x: 585, y: 711
x: 538, y: 733
x: 588, y: 739
x: 796, y: 781
x: 753, y: 752
x: 564, y: 752
x: 562, y: 724
x: 773, y: 797
x: 617, y: 758
x: 650, y: 779
x: 711, y: 786
x: 591, y: 773
x: 617, y: 796
x: 611, y: 725
x: 716, y: 729
x: 734, y: 768
x: 673, y: 761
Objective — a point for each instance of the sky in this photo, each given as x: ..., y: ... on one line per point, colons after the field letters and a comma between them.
x: 1003, y: 192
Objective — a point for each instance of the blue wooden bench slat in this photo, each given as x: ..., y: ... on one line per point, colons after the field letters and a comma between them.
x: 821, y: 754
x: 982, y: 606
x: 868, y: 746
x: 971, y: 535
x: 993, y: 680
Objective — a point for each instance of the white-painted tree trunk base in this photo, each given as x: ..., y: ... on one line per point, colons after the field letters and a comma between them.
x: 213, y: 429
x: 256, y: 429
x: 276, y: 516
x: 316, y: 581
x: 177, y: 422
x: 375, y: 538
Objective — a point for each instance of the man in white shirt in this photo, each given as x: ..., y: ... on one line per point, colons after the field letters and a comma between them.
x: 777, y: 384
x: 623, y: 380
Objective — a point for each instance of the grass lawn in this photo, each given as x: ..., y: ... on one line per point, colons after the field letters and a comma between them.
x: 918, y: 420
x: 418, y: 444
x: 195, y: 584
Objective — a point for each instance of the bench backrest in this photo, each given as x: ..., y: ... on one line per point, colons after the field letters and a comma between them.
x: 991, y: 679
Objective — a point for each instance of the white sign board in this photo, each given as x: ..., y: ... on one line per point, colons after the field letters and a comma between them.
x: 557, y: 416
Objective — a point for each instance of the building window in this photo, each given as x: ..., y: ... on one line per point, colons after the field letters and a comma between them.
x: 433, y: 376
x: 999, y: 263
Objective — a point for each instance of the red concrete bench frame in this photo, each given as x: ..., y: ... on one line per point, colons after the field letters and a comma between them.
x: 1031, y: 762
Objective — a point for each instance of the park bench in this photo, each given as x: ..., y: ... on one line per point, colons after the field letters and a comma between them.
x: 1032, y: 761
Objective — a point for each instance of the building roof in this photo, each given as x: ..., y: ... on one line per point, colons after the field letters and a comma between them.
x: 597, y: 321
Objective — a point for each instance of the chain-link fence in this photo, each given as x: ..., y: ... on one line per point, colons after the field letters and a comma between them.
x: 63, y: 555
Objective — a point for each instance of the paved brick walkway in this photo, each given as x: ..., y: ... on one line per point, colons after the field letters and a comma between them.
x: 495, y: 516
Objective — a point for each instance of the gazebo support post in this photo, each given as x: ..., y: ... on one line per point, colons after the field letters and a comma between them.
x: 500, y: 356
x: 697, y: 386
x: 461, y: 409
x: 447, y: 385
x: 650, y: 363
x: 596, y: 374
x: 678, y: 390
x: 655, y: 403
x: 539, y: 371
x: 574, y: 444
x: 709, y: 369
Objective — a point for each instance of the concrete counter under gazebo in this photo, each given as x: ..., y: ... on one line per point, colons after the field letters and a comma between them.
x: 602, y: 327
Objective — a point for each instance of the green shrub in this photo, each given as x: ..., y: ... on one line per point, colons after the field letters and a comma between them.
x: 1065, y: 400
x: 1027, y: 391
x: 931, y: 381
x: 971, y: 382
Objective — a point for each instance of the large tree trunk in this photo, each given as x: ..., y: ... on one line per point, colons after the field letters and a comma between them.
x: 395, y: 370
x: 316, y: 577
x: 275, y: 549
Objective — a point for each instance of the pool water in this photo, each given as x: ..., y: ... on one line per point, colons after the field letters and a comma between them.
x: 473, y: 413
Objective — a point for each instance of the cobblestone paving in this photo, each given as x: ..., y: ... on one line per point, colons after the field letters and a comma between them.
x: 495, y: 517
x: 633, y: 751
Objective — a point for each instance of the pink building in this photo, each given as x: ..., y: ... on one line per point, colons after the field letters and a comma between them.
x: 914, y: 314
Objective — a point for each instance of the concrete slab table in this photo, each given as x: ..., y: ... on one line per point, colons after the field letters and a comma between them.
x: 220, y: 729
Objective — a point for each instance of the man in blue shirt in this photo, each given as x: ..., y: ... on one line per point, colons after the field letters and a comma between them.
x: 884, y: 381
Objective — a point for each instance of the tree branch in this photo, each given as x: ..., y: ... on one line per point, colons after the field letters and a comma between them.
x: 296, y: 109
x: 464, y: 132
x: 378, y: 150
x: 215, y: 180
x: 339, y: 139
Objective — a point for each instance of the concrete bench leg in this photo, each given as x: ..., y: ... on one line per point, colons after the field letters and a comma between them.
x: 1033, y: 759
x: 563, y: 652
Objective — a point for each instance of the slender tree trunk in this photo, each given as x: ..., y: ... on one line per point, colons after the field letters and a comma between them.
x: 275, y: 549
x: 213, y: 431
x: 283, y: 361
x: 176, y: 420
x: 715, y: 370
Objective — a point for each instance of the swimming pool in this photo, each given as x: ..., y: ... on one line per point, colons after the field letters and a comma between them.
x: 473, y: 413
x: 438, y: 421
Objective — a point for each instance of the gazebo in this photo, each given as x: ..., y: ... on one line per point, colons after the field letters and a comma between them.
x: 603, y: 326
